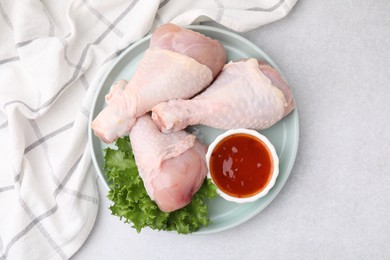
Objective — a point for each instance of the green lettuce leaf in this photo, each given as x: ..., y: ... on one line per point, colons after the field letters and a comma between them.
x: 132, y: 204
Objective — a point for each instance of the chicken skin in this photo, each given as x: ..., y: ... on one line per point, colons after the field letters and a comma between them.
x: 246, y: 94
x: 172, y: 166
x: 177, y: 64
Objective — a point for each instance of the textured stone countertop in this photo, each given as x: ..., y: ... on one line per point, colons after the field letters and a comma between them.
x: 336, y: 203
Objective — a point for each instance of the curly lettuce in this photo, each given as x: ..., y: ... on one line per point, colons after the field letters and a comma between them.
x: 132, y: 204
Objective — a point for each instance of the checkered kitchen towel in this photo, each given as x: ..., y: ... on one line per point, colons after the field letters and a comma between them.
x: 51, y: 56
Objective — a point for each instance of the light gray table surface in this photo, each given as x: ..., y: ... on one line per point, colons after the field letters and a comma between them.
x: 336, y: 203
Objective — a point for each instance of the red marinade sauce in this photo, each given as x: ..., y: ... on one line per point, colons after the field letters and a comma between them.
x: 241, y: 165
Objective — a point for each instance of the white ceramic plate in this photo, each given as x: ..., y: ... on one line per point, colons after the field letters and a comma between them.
x: 283, y: 135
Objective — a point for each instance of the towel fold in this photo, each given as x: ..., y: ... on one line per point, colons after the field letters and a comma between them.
x: 52, y: 56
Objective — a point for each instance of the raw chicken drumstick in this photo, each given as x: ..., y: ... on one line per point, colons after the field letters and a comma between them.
x: 178, y: 64
x: 246, y: 94
x: 172, y: 166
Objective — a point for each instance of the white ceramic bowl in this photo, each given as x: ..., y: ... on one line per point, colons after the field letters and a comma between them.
x: 274, y: 170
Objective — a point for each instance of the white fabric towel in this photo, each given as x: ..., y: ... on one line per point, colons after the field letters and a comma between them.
x: 52, y: 54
